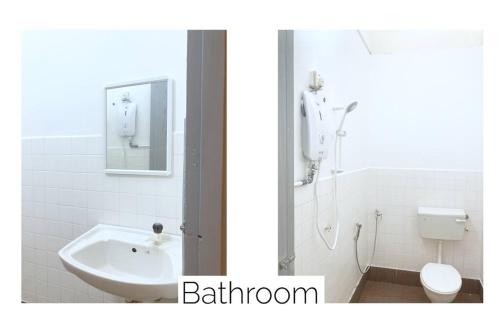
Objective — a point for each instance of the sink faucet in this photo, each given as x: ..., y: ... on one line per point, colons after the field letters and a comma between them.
x: 157, y: 228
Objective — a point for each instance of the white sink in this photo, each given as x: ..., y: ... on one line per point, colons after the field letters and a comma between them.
x: 126, y: 262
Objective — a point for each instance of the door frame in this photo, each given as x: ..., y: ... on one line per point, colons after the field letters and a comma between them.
x: 204, y: 200
x: 286, y: 232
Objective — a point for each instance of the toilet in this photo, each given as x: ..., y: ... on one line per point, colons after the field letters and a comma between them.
x: 441, y: 282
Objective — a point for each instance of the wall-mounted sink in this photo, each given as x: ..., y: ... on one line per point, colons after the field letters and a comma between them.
x: 126, y: 262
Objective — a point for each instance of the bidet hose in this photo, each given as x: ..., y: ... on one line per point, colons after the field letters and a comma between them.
x: 367, y: 268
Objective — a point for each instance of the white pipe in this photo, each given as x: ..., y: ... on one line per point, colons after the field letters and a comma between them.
x: 338, y: 167
x: 341, y: 122
x: 124, y: 150
x: 440, y: 251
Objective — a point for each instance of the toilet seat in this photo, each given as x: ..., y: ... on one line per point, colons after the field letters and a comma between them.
x: 441, y: 278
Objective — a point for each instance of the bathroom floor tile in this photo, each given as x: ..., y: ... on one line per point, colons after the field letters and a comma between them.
x: 385, y: 292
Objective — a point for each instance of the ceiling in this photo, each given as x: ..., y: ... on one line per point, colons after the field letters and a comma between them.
x: 394, y: 41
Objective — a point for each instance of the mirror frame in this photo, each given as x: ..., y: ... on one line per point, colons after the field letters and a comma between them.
x: 170, y: 110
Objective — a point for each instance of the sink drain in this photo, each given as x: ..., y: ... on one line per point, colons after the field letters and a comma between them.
x: 134, y: 249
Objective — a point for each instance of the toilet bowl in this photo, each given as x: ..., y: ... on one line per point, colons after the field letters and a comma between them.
x: 441, y: 282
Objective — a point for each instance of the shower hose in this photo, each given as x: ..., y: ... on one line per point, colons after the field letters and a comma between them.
x: 337, y: 149
x: 328, y: 228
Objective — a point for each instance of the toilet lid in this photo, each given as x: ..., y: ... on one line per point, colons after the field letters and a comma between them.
x: 441, y: 278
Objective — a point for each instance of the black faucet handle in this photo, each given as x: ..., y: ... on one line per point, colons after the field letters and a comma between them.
x: 157, y: 228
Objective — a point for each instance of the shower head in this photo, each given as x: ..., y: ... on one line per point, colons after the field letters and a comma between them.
x: 347, y: 109
x: 351, y: 107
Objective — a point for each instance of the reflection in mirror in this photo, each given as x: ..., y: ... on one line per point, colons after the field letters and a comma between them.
x: 139, y: 127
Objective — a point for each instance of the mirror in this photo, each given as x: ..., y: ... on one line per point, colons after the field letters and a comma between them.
x: 139, y: 127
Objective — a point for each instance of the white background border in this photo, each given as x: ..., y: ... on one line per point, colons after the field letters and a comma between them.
x: 252, y: 160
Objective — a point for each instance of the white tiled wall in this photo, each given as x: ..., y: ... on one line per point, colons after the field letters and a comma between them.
x: 65, y: 192
x: 312, y: 256
x: 396, y: 193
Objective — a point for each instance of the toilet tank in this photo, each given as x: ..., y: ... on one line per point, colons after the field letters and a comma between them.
x: 441, y: 223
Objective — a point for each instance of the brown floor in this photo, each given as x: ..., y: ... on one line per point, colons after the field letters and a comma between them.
x: 385, y: 292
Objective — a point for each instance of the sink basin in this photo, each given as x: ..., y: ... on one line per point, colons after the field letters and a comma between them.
x: 126, y: 262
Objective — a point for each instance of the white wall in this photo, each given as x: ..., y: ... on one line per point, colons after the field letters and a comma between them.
x: 426, y: 110
x: 65, y: 193
x: 398, y: 193
x: 64, y: 74
x: 415, y: 139
x: 65, y: 190
x: 425, y: 145
x: 342, y: 61
x: 312, y: 256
